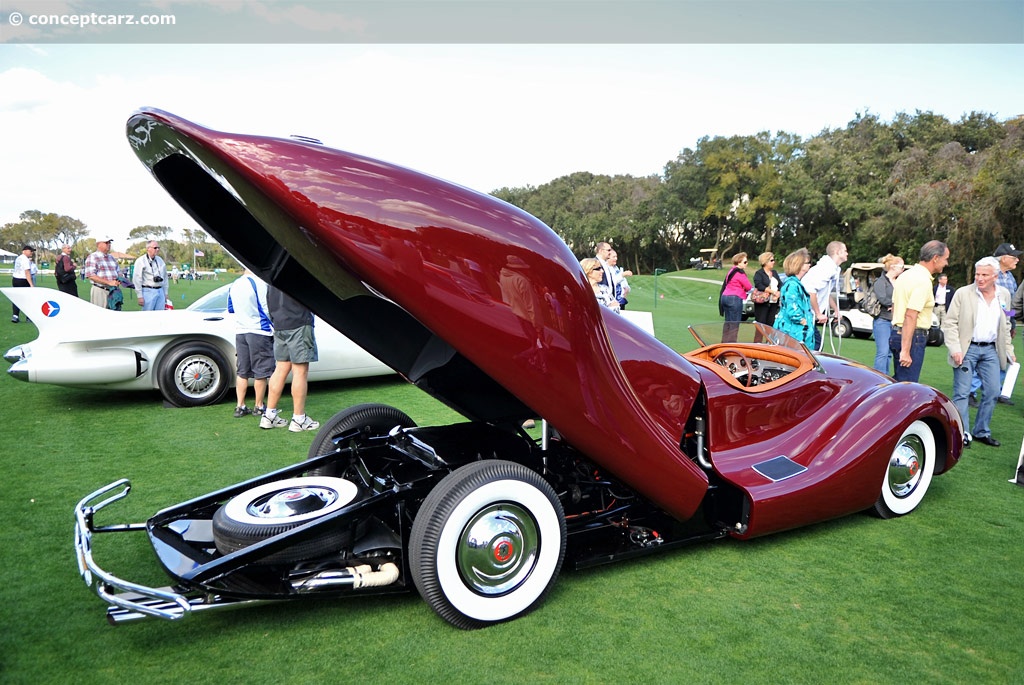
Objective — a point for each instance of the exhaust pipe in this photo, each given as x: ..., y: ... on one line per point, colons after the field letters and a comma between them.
x: 354, y: 577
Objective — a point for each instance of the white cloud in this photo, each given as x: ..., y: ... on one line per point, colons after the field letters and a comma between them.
x: 482, y: 116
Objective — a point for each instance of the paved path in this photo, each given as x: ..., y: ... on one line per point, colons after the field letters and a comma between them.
x: 691, y: 278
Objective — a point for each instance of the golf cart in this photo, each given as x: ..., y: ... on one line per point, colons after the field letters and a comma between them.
x: 856, y: 281
x: 708, y: 259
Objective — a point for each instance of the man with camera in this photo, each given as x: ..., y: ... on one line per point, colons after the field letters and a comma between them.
x: 150, y: 279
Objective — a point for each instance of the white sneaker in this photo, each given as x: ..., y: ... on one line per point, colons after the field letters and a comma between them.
x: 307, y: 424
x: 272, y: 422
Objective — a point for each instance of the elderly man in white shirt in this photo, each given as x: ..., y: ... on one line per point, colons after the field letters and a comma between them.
x: 822, y: 284
x: 150, y: 279
x: 977, y: 335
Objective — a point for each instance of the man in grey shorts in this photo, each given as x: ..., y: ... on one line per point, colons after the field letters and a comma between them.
x: 294, y: 349
x: 254, y: 341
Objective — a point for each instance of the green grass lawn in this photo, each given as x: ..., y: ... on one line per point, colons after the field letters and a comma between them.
x: 930, y: 597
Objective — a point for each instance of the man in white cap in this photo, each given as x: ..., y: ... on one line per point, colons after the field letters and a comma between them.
x: 101, y: 269
x: 23, y: 275
x: 1009, y: 257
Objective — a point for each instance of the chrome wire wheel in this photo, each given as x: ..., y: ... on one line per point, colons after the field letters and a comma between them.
x: 908, y: 472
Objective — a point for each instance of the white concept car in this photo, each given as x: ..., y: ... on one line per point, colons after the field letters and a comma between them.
x: 186, y: 354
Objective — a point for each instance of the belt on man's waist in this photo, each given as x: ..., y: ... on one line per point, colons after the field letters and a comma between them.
x: 153, y: 287
x: 982, y: 344
x: 899, y: 329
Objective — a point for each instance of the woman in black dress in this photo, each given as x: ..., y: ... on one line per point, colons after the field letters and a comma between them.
x: 766, y: 281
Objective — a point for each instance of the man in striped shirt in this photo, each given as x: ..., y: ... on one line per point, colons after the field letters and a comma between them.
x: 101, y: 269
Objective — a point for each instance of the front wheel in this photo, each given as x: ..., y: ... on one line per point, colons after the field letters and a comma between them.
x: 194, y: 374
x: 371, y: 420
x: 908, y: 473
x: 487, y: 543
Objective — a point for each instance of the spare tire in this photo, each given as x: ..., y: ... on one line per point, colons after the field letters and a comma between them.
x: 274, y: 508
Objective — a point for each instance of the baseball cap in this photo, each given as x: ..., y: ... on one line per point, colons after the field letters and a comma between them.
x: 28, y: 247
x: 104, y: 240
x: 1007, y: 248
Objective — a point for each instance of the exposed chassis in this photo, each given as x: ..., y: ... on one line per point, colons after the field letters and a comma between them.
x: 605, y: 522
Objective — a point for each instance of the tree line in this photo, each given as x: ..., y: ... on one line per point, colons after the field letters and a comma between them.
x: 878, y: 186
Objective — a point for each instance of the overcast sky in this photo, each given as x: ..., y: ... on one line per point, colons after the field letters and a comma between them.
x: 482, y: 116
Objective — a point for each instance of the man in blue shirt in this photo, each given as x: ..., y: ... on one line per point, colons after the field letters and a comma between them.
x: 254, y: 341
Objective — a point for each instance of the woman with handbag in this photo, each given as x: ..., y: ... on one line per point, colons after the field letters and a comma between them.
x: 881, y: 327
x: 766, y: 290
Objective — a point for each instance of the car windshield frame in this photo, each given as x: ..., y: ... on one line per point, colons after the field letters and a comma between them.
x: 749, y: 333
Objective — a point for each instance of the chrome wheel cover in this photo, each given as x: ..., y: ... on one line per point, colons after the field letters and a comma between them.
x: 498, y: 549
x: 196, y: 376
x: 905, y: 466
x: 287, y: 504
x: 290, y: 501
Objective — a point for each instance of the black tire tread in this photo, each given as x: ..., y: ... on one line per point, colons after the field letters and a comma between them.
x: 376, y: 418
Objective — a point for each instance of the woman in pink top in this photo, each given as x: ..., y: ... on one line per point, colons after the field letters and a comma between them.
x: 734, y: 290
x: 737, y: 285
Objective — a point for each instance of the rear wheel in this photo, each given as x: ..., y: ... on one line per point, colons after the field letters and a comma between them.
x: 487, y: 543
x: 370, y: 419
x: 908, y: 472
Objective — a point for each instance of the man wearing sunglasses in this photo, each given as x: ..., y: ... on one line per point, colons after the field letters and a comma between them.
x: 150, y: 279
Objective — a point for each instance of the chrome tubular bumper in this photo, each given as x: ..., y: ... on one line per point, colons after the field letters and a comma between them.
x: 140, y: 601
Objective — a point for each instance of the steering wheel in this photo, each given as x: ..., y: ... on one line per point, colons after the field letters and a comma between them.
x: 721, y: 358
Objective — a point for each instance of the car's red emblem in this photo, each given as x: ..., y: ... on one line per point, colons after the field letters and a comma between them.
x: 50, y: 308
x: 503, y: 551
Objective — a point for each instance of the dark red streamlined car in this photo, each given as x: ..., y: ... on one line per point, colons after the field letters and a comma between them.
x: 481, y: 305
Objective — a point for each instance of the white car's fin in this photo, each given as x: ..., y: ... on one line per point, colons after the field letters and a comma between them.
x: 48, y: 308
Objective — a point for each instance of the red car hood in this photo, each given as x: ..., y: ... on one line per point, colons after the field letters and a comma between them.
x: 475, y: 301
